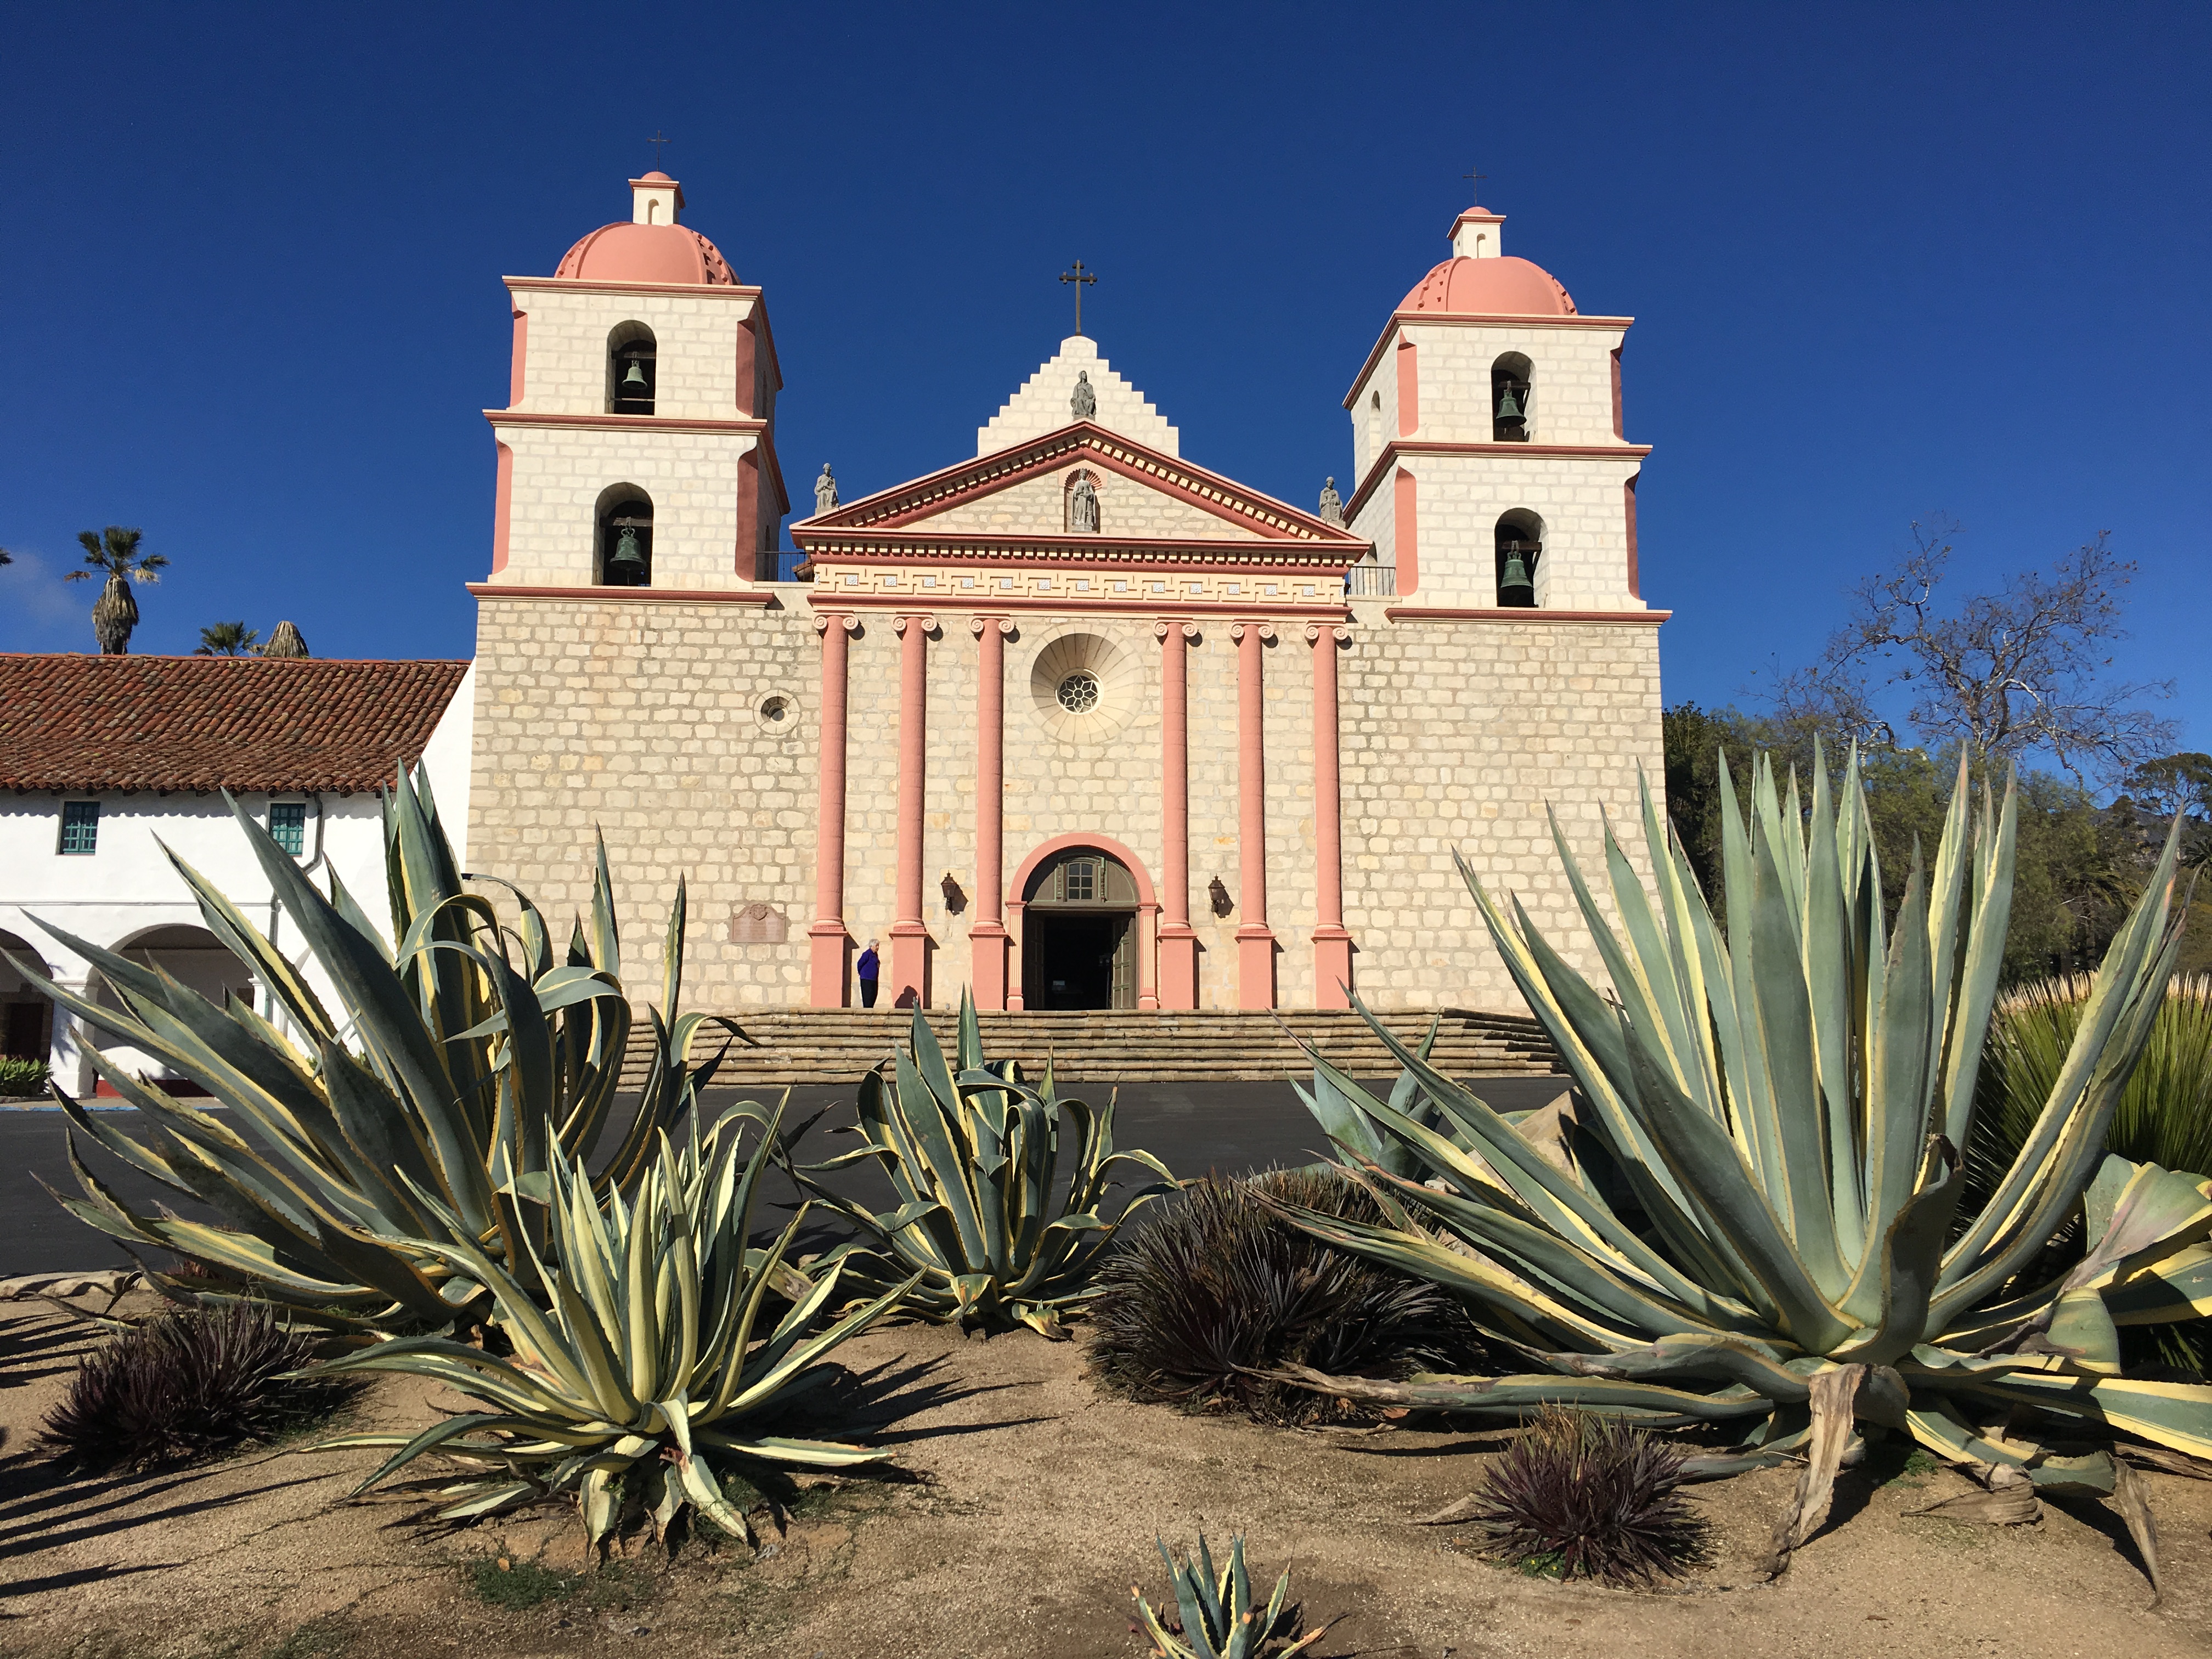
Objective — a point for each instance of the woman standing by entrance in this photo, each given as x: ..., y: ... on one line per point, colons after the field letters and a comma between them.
x: 866, y: 969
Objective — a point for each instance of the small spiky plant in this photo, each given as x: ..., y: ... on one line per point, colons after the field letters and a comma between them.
x: 1580, y: 1496
x: 1213, y: 1617
x: 186, y: 1385
x: 1214, y: 1289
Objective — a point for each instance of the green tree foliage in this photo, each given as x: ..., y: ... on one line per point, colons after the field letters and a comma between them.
x: 116, y: 552
x: 228, y: 639
x: 2079, y: 865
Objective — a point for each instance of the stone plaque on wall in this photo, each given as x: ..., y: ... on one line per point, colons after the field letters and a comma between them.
x: 757, y: 924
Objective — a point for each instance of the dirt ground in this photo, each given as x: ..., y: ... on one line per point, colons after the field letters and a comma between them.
x: 1035, y: 1506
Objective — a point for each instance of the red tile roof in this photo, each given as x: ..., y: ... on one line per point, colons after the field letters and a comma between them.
x: 204, y: 723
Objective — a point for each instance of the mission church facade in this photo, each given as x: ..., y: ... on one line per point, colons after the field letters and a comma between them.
x: 1074, y: 721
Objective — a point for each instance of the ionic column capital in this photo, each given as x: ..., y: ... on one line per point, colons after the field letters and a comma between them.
x: 1336, y: 631
x: 1265, y: 629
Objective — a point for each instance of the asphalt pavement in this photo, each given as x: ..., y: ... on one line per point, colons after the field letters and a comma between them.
x: 1195, y: 1128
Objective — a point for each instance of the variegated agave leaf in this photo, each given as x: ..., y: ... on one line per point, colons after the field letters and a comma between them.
x: 1214, y: 1616
x: 453, y: 1064
x: 973, y: 1156
x: 1781, y: 1100
x: 651, y: 1369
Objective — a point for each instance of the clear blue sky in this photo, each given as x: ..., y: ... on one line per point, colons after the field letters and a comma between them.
x: 1885, y: 261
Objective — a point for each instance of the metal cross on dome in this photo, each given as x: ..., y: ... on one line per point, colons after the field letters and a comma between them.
x: 1478, y: 178
x: 1078, y: 277
x: 658, y: 142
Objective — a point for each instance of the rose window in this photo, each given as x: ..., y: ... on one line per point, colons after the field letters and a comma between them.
x: 1078, y: 692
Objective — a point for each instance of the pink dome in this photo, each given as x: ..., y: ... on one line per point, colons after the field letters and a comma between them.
x: 1491, y: 288
x: 626, y: 253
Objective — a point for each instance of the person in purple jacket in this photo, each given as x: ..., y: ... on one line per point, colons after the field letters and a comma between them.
x: 867, y: 968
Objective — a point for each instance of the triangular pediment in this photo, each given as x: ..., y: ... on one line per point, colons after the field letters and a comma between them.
x: 1143, y: 496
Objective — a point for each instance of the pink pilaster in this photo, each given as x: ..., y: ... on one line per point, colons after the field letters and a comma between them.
x: 1255, y: 940
x: 1332, y: 944
x: 909, y: 985
x: 1178, y: 945
x: 987, y: 939
x: 827, y: 942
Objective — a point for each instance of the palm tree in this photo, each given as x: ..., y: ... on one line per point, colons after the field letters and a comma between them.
x: 6, y: 557
x: 115, y: 613
x: 232, y: 639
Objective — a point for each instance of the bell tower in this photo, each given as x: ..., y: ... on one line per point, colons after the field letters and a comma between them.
x: 1488, y: 446
x: 637, y: 448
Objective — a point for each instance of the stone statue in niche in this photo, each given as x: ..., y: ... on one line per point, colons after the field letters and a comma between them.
x: 825, y: 491
x: 1332, y: 504
x: 1085, y: 402
x: 1083, y: 506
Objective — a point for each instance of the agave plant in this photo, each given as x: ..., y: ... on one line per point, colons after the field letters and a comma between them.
x: 458, y: 1063
x: 643, y: 1375
x: 1213, y: 1617
x: 974, y: 1158
x: 1758, y: 1227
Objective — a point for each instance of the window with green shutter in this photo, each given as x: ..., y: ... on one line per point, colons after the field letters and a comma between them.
x: 80, y: 826
x: 288, y: 826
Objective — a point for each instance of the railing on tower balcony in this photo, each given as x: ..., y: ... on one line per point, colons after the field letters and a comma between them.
x: 1371, y: 581
x: 787, y: 567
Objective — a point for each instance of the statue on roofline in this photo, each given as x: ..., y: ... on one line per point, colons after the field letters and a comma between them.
x: 1332, y: 504
x: 1085, y: 402
x: 825, y: 491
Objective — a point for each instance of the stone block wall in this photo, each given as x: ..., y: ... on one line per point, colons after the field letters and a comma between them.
x: 1459, y: 735
x: 1581, y: 501
x: 692, y: 477
x: 695, y: 349
x: 1041, y: 404
x: 1570, y: 381
x: 645, y: 718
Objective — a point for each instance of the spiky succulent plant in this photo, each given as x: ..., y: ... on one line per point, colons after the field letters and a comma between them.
x: 973, y: 1156
x: 457, y: 1063
x: 184, y: 1385
x: 1755, y: 1222
x: 1579, y: 1496
x: 651, y: 1370
x: 1214, y: 1616
x: 1214, y: 1290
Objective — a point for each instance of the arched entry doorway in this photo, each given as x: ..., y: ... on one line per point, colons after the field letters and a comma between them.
x: 197, y: 958
x: 27, y: 1019
x: 1080, y: 940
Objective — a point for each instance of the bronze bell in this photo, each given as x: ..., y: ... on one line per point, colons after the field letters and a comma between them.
x: 1513, y: 587
x: 633, y: 384
x: 627, y: 565
x: 1509, y: 411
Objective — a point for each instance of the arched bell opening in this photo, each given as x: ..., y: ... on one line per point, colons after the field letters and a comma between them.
x: 622, y: 554
x: 1511, y: 388
x: 1520, y: 550
x: 1079, y: 933
x: 631, y: 369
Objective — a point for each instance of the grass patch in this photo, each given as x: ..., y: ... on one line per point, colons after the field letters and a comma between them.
x: 1913, y: 1469
x: 502, y: 1581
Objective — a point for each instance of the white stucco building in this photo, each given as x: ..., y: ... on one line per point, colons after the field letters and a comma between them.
x: 104, y: 761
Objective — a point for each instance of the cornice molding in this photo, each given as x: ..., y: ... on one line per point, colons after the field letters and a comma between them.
x: 1526, y: 615
x: 1245, y: 610
x: 1079, y: 552
x: 630, y: 595
x: 1395, y: 447
x: 739, y: 425
x: 592, y: 285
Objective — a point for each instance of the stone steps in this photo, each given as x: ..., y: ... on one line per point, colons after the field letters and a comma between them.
x: 836, y: 1046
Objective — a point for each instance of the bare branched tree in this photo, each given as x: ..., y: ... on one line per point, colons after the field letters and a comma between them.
x: 2018, y: 671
